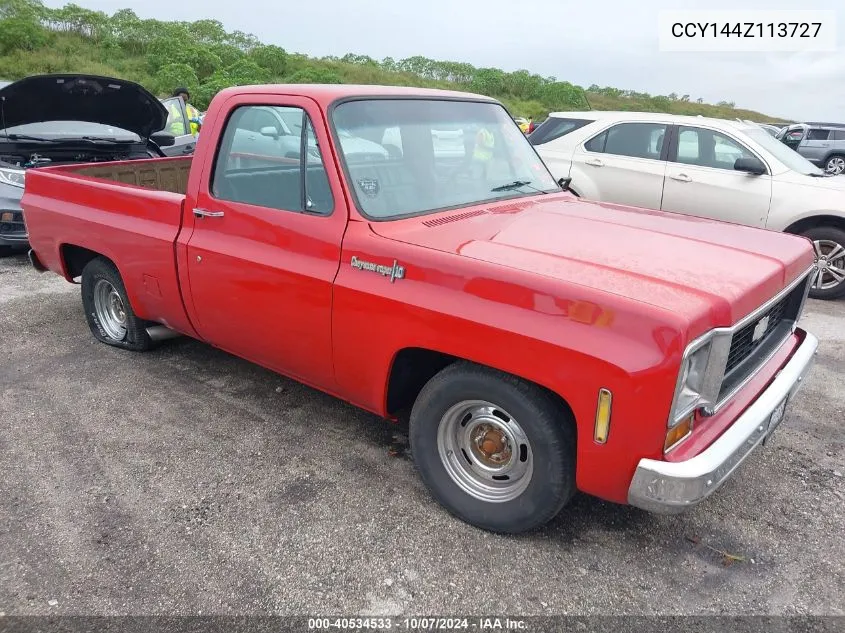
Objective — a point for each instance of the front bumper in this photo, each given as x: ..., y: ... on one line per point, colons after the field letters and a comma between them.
x: 672, y: 487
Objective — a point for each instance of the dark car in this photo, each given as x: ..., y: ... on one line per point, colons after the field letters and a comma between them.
x: 70, y: 118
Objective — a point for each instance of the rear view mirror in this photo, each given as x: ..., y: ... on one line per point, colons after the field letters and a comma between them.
x: 163, y: 139
x: 751, y: 164
x: 269, y: 131
x: 564, y: 183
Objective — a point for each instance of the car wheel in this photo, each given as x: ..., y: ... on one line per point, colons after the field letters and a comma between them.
x: 835, y: 165
x: 829, y: 271
x: 107, y: 309
x: 494, y: 450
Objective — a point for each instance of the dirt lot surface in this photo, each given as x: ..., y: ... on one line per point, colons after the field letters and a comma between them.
x: 187, y: 481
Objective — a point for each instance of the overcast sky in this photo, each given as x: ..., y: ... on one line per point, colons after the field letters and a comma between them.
x: 606, y: 42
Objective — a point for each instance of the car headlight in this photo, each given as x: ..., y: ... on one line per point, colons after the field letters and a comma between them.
x: 691, y: 384
x: 14, y: 177
x: 700, y: 376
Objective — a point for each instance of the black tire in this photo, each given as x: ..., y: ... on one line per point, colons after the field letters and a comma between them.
x: 135, y: 337
x: 836, y: 236
x: 550, y: 431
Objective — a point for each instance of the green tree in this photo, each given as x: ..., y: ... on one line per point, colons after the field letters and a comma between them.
x: 21, y: 33
x: 314, y: 76
x: 171, y: 76
x: 272, y: 58
x: 246, y: 72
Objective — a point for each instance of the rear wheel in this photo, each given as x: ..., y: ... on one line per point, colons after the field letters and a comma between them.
x: 835, y: 165
x: 829, y: 271
x: 496, y: 451
x: 107, y: 310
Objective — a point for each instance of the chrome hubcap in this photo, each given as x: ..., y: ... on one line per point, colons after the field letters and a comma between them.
x: 485, y: 451
x: 836, y: 165
x: 829, y: 269
x: 110, y: 310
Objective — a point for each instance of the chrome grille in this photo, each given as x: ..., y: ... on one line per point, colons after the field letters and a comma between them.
x: 755, y: 341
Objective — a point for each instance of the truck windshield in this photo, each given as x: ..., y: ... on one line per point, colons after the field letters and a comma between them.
x: 434, y: 154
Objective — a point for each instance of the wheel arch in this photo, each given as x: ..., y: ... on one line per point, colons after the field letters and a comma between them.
x: 413, y: 367
x: 812, y: 221
x: 74, y: 258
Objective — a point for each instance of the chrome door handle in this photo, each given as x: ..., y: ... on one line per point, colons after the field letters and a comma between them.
x: 595, y: 162
x: 681, y: 178
x: 202, y: 213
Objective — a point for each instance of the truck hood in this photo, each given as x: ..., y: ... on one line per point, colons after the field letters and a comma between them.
x: 73, y: 97
x: 711, y: 273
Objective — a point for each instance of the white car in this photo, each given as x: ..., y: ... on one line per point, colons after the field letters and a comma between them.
x: 727, y: 170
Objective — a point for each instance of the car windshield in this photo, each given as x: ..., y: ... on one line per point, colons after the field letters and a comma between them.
x: 431, y: 154
x: 71, y: 129
x: 785, y: 154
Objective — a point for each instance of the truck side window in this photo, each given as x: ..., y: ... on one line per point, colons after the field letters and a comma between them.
x: 260, y: 161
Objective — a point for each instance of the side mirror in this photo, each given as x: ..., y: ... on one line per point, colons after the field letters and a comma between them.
x: 564, y: 183
x: 752, y: 165
x: 163, y: 139
x: 269, y: 131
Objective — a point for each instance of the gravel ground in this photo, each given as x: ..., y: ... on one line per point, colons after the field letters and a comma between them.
x: 187, y: 481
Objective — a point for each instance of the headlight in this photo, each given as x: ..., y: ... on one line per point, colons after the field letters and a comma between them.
x: 14, y: 177
x: 691, y: 383
x: 700, y: 375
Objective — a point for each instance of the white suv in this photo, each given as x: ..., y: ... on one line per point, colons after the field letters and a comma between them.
x: 727, y: 170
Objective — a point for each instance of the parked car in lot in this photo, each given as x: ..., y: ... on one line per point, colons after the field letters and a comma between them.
x: 541, y: 344
x: 823, y: 144
x: 726, y: 170
x: 65, y: 119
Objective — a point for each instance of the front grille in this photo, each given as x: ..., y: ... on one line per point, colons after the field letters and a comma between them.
x: 755, y: 341
x: 743, y: 343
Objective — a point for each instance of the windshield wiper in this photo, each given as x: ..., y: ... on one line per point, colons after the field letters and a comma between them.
x: 24, y: 137
x: 70, y: 139
x: 94, y: 139
x: 517, y: 184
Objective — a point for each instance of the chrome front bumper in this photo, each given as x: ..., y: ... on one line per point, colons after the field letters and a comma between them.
x: 672, y: 487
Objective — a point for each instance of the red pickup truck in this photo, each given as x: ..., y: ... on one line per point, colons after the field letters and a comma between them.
x: 407, y: 251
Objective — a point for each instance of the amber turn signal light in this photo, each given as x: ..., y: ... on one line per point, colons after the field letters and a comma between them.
x: 678, y: 432
x: 602, y: 428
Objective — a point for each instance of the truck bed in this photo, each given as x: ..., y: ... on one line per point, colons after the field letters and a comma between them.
x: 161, y: 174
x: 130, y: 212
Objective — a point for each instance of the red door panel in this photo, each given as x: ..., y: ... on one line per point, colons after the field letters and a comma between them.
x: 261, y: 277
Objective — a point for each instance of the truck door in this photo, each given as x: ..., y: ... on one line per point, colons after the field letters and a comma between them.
x: 266, y: 238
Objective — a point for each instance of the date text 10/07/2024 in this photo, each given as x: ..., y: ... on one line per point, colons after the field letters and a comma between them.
x: 418, y: 624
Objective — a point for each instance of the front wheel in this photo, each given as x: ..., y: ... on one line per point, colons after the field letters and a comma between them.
x: 496, y: 451
x: 107, y: 310
x: 829, y: 271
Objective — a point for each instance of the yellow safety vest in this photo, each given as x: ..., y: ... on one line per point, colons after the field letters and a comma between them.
x: 193, y: 113
x: 177, y: 125
x: 483, y: 145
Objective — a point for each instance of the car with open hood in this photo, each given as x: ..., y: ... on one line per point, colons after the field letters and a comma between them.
x: 58, y: 119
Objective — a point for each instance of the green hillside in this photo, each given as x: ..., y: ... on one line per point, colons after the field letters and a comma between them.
x: 204, y: 57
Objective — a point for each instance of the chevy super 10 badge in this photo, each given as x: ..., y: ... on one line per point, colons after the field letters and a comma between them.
x: 394, y: 272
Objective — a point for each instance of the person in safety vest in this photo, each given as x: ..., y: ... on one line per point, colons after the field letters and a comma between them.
x: 191, y: 111
x: 482, y: 154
